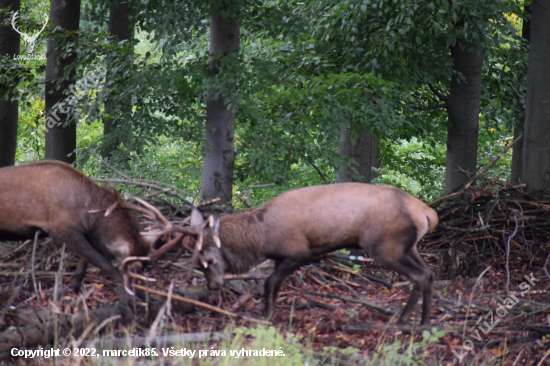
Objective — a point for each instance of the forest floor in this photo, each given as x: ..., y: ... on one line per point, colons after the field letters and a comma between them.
x: 491, y: 308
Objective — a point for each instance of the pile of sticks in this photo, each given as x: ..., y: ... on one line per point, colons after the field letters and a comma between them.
x: 492, y: 220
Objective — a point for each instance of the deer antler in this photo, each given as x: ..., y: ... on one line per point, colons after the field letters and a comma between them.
x: 183, y: 236
x: 126, y: 273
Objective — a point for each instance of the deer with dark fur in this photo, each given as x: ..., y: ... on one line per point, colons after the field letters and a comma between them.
x: 59, y: 201
x: 300, y: 225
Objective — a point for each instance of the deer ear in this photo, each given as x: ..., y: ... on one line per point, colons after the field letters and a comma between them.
x: 196, y: 218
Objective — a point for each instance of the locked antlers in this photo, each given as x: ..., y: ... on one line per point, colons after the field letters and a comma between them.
x: 190, y: 238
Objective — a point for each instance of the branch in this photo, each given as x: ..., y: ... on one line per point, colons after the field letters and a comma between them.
x: 437, y: 106
x: 202, y: 304
x: 467, y: 184
x: 308, y: 159
x: 159, y: 341
x: 102, y: 161
x: 346, y: 299
x: 442, y: 97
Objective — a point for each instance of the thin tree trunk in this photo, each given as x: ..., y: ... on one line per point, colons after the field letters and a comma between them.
x: 60, y: 141
x: 121, y: 28
x: 364, y: 152
x: 463, y: 110
x: 517, y: 152
x: 9, y: 110
x: 217, y: 173
x: 536, y: 148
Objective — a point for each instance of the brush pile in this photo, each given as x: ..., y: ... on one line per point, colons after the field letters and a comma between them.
x: 493, y: 219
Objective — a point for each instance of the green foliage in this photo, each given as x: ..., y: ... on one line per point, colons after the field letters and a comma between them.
x: 294, y: 123
x: 413, y: 166
x: 30, y: 132
x: 305, y: 71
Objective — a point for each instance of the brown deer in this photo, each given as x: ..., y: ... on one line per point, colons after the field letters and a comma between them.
x: 60, y: 202
x: 302, y: 224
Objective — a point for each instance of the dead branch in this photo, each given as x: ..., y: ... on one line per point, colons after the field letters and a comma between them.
x: 159, y: 341
x: 202, y: 304
x: 346, y: 299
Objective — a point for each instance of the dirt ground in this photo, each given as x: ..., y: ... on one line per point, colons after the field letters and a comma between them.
x: 491, y: 297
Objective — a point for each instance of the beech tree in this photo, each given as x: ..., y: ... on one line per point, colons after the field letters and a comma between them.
x: 9, y: 109
x: 463, y: 108
x: 364, y: 151
x: 60, y: 126
x: 517, y: 152
x: 536, y: 147
x: 219, y: 159
x: 120, y: 28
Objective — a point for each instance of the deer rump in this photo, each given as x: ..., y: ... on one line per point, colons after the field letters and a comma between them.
x: 60, y: 202
x: 299, y: 225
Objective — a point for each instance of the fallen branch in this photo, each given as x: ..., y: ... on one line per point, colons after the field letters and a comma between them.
x: 160, y: 341
x: 202, y: 304
x: 346, y: 299
x: 246, y: 276
x: 367, y: 277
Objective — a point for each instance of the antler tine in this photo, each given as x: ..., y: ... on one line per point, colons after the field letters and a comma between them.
x: 161, y: 251
x: 127, y: 273
x: 154, y: 210
x: 197, y: 223
x: 214, y: 225
x: 118, y: 200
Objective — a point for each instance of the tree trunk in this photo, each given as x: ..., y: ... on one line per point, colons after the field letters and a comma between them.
x: 121, y: 28
x: 217, y: 173
x: 9, y: 110
x: 364, y: 152
x: 517, y: 152
x: 463, y: 110
x: 60, y: 140
x: 536, y: 148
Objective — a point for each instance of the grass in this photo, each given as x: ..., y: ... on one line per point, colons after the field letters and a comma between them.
x: 246, y: 347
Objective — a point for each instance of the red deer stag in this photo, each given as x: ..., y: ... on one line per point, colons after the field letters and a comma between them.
x: 62, y: 203
x: 302, y: 224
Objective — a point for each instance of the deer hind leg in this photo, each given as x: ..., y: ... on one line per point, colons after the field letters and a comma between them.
x: 428, y: 287
x: 413, y: 266
x: 283, y: 269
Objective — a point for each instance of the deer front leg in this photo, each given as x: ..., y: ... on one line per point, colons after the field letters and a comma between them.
x: 273, y: 283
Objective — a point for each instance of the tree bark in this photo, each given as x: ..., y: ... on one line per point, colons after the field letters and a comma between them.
x: 60, y: 140
x: 9, y: 110
x: 217, y: 173
x: 364, y: 152
x: 120, y: 28
x: 517, y: 152
x: 536, y: 148
x: 463, y: 111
